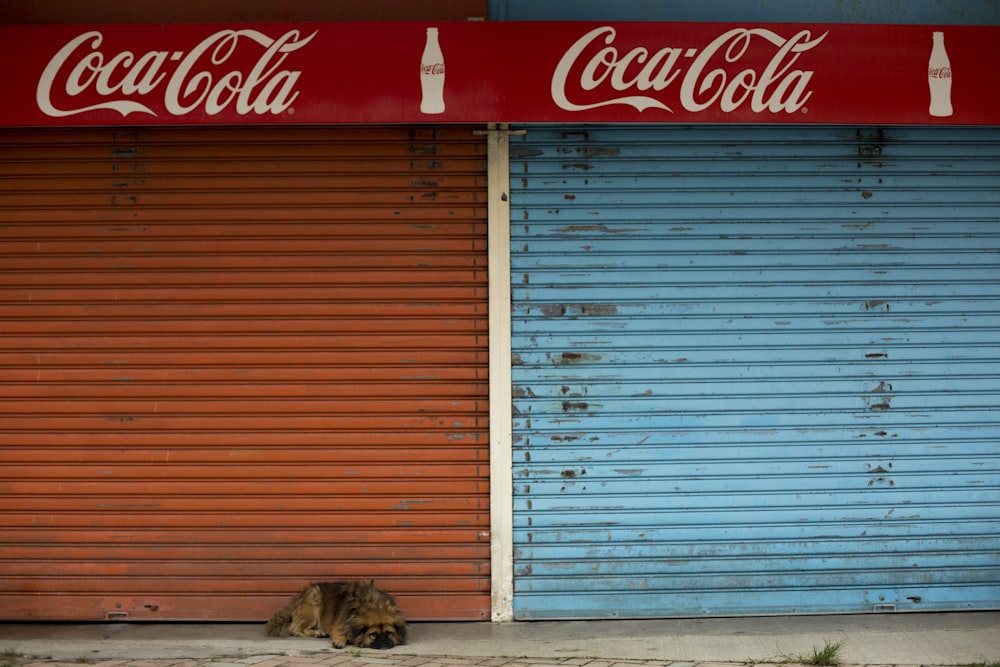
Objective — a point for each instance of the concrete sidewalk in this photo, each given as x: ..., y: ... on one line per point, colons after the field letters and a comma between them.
x: 890, y: 639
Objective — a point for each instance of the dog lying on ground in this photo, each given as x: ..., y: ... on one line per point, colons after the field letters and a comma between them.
x: 351, y: 612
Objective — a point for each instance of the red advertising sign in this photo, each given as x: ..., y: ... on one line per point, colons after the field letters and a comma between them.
x: 477, y: 72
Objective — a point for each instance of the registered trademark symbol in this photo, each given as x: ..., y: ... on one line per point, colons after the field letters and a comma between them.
x: 291, y: 112
x: 805, y: 110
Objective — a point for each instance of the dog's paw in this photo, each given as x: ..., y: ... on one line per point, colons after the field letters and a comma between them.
x: 337, y: 644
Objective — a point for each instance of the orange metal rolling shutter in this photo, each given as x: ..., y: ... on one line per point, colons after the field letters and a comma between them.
x: 234, y: 361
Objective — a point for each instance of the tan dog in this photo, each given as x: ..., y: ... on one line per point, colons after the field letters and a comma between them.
x: 352, y: 612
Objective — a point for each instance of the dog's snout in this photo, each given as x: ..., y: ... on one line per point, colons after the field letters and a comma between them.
x: 383, y: 641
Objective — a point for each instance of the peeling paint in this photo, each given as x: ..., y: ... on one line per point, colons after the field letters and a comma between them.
x: 524, y: 152
x: 575, y: 229
x: 585, y: 309
x: 576, y: 358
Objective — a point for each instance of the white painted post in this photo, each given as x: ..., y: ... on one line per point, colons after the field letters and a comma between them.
x: 501, y: 444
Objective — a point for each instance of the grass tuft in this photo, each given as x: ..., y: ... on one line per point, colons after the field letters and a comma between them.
x: 822, y: 657
x: 9, y: 657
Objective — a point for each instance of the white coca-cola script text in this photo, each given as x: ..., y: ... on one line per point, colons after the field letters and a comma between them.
x: 202, y: 78
x: 711, y: 76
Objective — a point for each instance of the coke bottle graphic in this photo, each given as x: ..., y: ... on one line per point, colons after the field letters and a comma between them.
x: 939, y: 78
x: 432, y: 75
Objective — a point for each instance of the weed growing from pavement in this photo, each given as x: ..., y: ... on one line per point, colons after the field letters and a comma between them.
x: 822, y: 657
x: 9, y: 657
x: 828, y: 656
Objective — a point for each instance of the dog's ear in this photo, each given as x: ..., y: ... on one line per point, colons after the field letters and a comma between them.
x: 358, y: 633
x: 400, y: 630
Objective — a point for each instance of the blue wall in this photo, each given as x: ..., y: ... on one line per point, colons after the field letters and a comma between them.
x: 962, y: 12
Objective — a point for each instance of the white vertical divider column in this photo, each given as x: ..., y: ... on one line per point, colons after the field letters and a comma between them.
x: 501, y: 443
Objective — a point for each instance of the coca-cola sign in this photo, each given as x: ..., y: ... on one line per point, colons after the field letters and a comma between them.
x: 515, y: 72
x: 715, y: 75
x: 206, y: 77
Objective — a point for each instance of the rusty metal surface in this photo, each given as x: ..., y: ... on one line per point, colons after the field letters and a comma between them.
x: 236, y: 361
x: 755, y: 370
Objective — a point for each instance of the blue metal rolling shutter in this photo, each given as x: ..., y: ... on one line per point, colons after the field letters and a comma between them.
x: 756, y: 370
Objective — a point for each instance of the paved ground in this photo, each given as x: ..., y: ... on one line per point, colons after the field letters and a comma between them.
x: 367, y: 660
x: 963, y: 639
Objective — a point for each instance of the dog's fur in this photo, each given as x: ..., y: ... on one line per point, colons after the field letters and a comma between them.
x: 351, y: 612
